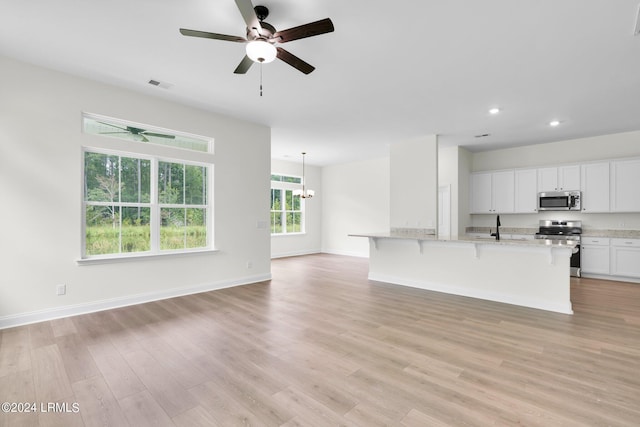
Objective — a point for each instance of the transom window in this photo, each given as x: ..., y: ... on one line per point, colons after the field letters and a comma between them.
x: 287, y: 209
x: 115, y: 128
x: 144, y: 204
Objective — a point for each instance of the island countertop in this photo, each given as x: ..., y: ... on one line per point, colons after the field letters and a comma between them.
x: 468, y: 239
x: 525, y: 272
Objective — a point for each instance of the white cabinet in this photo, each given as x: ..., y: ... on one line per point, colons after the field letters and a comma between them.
x: 594, y: 255
x: 492, y: 192
x: 625, y: 257
x: 526, y: 191
x: 625, y: 185
x: 502, y: 191
x: 481, y: 193
x: 562, y: 178
x: 595, y: 187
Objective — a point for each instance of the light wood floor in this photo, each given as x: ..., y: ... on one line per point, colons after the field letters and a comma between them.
x: 320, y: 345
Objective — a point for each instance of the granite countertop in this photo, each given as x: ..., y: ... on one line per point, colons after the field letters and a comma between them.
x: 467, y: 239
x: 624, y: 234
x: 503, y: 230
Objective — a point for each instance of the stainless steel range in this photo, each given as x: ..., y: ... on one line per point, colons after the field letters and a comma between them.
x: 554, y: 231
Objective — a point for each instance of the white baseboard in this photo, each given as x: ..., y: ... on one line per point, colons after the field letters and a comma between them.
x: 91, y: 307
x: 609, y: 277
x: 346, y: 253
x: 474, y: 293
x: 295, y: 253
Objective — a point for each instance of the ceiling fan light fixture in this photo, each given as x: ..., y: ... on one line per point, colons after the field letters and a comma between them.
x: 261, y: 51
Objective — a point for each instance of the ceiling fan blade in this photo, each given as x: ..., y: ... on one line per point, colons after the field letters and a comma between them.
x: 308, y: 30
x: 215, y: 36
x: 244, y: 65
x: 294, y: 61
x: 113, y: 126
x: 157, y: 135
x: 249, y: 15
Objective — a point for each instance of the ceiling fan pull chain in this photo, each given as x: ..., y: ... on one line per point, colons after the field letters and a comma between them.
x: 261, y: 79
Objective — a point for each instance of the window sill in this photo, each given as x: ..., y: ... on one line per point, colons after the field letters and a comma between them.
x: 288, y: 234
x: 141, y: 257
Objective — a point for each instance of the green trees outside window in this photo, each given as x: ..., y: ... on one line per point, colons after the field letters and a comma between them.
x: 125, y: 198
x: 183, y: 199
x: 286, y: 212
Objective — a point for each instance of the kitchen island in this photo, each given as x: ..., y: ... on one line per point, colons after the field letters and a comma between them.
x: 530, y: 273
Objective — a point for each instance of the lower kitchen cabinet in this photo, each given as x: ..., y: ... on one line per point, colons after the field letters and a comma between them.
x: 625, y: 257
x: 594, y: 255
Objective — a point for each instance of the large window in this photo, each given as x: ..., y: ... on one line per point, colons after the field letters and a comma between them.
x: 287, y: 209
x: 144, y: 204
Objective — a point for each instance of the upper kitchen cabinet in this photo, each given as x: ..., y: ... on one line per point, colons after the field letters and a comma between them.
x: 492, y: 192
x: 595, y: 187
x: 526, y: 191
x: 562, y: 178
x: 625, y: 185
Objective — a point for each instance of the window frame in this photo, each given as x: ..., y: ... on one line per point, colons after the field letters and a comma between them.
x: 288, y: 186
x: 154, y: 205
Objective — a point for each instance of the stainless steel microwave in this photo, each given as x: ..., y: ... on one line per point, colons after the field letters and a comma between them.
x: 559, y: 201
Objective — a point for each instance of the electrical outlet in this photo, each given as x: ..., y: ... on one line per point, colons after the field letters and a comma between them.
x: 249, y: 264
x: 61, y: 289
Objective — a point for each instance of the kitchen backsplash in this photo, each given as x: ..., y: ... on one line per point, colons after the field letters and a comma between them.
x: 586, y: 231
x: 602, y: 221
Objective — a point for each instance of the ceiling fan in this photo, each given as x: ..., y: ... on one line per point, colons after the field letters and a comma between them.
x: 137, y: 133
x: 262, y: 37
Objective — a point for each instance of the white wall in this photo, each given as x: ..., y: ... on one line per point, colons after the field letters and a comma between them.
x: 414, y: 183
x: 40, y: 185
x: 311, y: 240
x: 355, y: 200
x: 572, y: 151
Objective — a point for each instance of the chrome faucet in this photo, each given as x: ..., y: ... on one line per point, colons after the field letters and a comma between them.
x: 497, y: 233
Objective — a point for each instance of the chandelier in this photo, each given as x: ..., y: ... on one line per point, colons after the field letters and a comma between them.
x: 304, y: 193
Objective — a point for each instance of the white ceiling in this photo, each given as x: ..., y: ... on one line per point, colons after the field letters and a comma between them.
x: 391, y: 71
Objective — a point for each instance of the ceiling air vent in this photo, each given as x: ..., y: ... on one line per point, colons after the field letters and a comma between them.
x: 158, y: 83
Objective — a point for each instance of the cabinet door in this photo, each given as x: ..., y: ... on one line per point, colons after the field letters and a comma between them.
x: 569, y: 178
x: 526, y: 191
x: 625, y: 261
x: 594, y: 259
x: 625, y: 185
x: 548, y: 179
x: 502, y: 191
x: 595, y: 187
x: 481, y: 192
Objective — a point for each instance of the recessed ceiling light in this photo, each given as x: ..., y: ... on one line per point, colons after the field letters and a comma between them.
x: 494, y: 111
x: 554, y: 123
